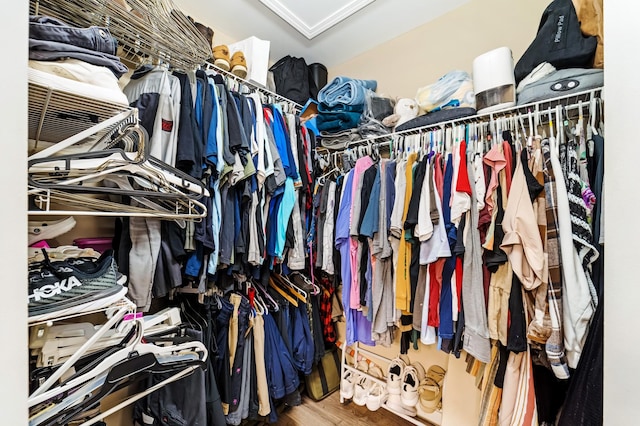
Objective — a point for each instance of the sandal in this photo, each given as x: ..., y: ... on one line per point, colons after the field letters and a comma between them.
x: 430, y: 390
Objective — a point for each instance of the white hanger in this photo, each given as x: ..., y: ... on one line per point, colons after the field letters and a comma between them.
x: 141, y: 395
x: 112, y: 164
x: 81, y: 351
x: 122, y: 354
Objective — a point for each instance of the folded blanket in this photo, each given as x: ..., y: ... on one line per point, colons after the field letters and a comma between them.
x: 337, y: 121
x: 322, y: 108
x: 345, y: 90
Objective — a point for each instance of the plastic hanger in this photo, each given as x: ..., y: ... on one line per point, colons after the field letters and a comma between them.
x: 81, y: 351
x: 295, y: 290
x: 315, y: 288
x: 95, y: 164
x: 136, y: 346
x: 266, y: 297
x: 122, y: 374
x: 282, y: 292
x: 131, y: 400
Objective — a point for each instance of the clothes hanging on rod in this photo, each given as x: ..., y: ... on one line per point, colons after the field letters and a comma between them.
x: 255, y: 161
x: 490, y: 236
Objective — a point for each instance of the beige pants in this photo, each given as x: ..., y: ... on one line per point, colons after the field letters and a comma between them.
x: 261, y: 371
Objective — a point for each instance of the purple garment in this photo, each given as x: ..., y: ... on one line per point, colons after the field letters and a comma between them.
x: 358, y: 328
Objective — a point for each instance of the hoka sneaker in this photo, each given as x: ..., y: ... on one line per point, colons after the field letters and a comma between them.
x: 56, y: 286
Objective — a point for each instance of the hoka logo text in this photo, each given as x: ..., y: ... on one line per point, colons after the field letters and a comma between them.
x: 51, y: 290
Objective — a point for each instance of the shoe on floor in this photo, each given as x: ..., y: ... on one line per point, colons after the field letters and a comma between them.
x: 347, y: 384
x: 221, y: 57
x: 430, y: 394
x: 46, y: 230
x: 361, y: 391
x: 239, y: 65
x: 377, y: 396
x: 413, y: 375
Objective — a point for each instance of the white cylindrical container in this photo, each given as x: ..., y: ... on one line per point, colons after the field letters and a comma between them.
x: 493, y: 80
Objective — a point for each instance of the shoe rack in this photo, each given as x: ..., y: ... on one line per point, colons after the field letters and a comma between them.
x: 359, y: 352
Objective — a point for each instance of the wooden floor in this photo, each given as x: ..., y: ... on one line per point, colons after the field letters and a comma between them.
x: 329, y: 412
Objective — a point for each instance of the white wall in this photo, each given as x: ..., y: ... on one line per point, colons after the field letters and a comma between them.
x: 13, y: 244
x: 622, y: 155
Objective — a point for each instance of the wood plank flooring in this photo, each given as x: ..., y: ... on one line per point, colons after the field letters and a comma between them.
x: 329, y: 412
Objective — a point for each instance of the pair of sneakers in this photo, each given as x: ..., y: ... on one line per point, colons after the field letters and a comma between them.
x: 403, y: 381
x: 362, y: 390
x: 237, y: 63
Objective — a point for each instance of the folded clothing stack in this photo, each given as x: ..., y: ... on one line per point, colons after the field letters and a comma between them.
x: 75, y: 59
x: 341, y: 103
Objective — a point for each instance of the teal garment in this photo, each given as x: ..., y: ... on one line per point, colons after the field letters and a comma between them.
x: 284, y: 214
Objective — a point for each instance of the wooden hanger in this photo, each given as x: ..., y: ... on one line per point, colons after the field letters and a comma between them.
x: 294, y: 289
x: 282, y: 292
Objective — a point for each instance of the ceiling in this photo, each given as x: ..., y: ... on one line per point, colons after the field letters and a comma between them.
x: 328, y: 31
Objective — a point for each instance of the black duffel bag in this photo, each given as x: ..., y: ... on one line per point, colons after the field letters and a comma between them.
x: 559, y: 41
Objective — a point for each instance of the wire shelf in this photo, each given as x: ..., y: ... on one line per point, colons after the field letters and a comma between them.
x: 569, y: 102
x: 55, y: 115
x: 146, y: 30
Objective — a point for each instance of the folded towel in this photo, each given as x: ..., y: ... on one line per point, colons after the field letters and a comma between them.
x: 337, y: 121
x: 323, y: 108
x: 345, y: 90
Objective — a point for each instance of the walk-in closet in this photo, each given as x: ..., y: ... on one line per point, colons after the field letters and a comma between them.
x: 288, y: 213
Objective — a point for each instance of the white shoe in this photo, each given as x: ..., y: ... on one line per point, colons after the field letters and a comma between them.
x: 346, y: 384
x: 394, y: 376
x: 394, y: 403
x: 413, y: 376
x: 46, y: 230
x: 361, y: 391
x: 377, y: 396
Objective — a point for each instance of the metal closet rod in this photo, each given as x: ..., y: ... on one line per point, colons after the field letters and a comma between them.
x: 569, y: 102
x: 255, y: 86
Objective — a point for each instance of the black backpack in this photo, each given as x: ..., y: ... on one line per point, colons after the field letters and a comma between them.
x: 559, y: 41
x: 296, y: 80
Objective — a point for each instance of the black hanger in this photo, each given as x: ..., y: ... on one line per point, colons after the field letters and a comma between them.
x: 122, y: 374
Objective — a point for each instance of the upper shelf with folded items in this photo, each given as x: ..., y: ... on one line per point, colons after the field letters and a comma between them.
x: 147, y: 30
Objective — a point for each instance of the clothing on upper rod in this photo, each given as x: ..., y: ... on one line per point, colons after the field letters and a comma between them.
x: 482, y: 239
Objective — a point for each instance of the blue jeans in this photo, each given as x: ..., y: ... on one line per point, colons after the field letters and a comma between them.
x: 282, y: 376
